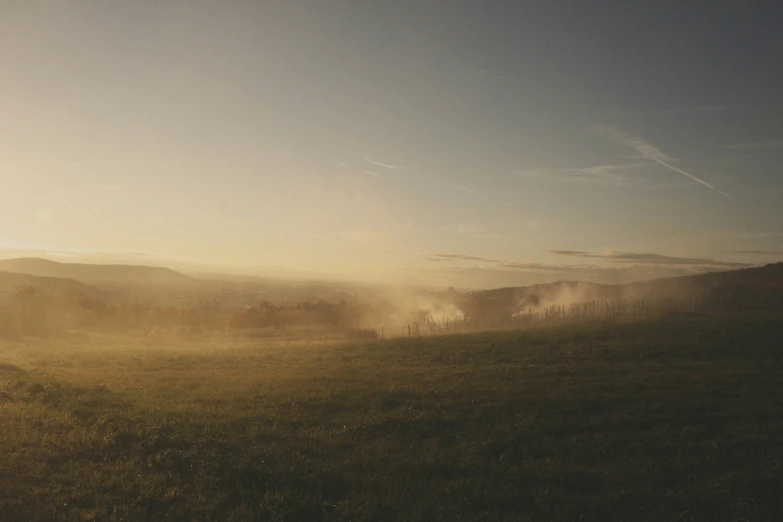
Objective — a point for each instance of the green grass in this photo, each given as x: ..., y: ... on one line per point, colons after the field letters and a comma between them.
x: 669, y: 420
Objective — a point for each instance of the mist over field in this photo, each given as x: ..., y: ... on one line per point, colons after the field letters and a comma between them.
x: 391, y: 261
x: 157, y: 304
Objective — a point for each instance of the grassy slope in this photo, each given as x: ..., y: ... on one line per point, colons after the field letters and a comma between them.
x: 677, y: 420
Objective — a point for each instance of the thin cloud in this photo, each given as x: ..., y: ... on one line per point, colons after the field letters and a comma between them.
x: 607, y: 173
x: 375, y: 167
x: 757, y: 145
x: 542, y: 267
x: 372, y: 173
x: 574, y: 253
x: 758, y: 252
x: 743, y: 234
x: 384, y: 165
x: 682, y: 110
x: 527, y: 273
x: 454, y: 257
x: 657, y: 259
x: 649, y: 151
x: 645, y: 258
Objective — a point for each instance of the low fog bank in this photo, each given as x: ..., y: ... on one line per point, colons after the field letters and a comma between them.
x: 747, y: 289
x: 189, y: 309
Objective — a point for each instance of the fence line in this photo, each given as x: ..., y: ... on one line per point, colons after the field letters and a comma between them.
x: 649, y: 306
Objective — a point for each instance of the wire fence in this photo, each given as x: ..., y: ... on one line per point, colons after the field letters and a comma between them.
x: 651, y: 306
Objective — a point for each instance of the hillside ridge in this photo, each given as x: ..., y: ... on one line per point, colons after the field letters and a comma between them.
x: 93, y: 273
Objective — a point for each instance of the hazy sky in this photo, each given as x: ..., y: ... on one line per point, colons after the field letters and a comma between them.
x: 448, y: 142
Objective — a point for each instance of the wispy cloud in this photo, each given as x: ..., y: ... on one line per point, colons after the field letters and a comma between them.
x: 681, y: 110
x: 574, y: 253
x: 383, y: 164
x: 516, y: 273
x: 649, y: 151
x: 356, y: 162
x: 758, y: 252
x: 657, y: 259
x: 743, y: 234
x: 629, y: 259
x: 463, y: 257
x: 645, y: 258
x: 757, y: 145
x: 543, y: 267
x: 608, y: 173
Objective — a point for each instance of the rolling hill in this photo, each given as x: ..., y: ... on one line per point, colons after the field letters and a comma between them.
x: 11, y: 282
x: 748, y: 288
x: 95, y: 274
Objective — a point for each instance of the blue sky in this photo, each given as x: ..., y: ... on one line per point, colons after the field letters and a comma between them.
x: 466, y: 143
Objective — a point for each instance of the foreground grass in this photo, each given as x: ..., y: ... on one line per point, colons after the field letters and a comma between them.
x: 677, y: 420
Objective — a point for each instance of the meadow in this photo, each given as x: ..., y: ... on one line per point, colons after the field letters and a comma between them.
x: 669, y: 419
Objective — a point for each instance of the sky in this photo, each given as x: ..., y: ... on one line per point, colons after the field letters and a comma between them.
x: 465, y: 143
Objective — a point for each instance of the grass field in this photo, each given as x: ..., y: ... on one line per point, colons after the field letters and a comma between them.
x: 668, y: 420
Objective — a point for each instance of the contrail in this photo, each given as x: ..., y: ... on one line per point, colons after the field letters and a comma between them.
x: 384, y: 165
x: 694, y: 178
x: 649, y: 151
x: 680, y: 110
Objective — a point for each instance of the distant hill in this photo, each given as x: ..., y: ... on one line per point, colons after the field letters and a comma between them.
x: 94, y: 274
x: 748, y: 288
x: 10, y: 281
x: 56, y: 287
